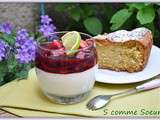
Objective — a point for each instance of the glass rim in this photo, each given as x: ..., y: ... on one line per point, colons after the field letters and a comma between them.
x: 61, y: 32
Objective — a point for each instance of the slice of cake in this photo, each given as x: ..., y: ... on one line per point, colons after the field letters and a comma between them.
x: 124, y: 50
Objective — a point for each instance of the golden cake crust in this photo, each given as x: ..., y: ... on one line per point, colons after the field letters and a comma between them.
x: 145, y: 42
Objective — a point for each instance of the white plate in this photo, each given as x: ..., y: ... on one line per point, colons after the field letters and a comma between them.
x: 152, y: 69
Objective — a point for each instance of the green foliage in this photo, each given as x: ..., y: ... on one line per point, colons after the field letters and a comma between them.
x: 96, y: 19
x: 76, y: 13
x: 93, y: 25
x: 9, y: 39
x: 136, y: 5
x: 61, y: 7
x: 3, y: 70
x: 119, y: 18
x: 20, y: 70
x: 111, y: 17
x: 23, y: 69
x: 146, y: 15
x: 82, y: 14
x: 10, y: 68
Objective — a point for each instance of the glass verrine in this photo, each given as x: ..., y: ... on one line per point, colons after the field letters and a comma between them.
x: 66, y: 78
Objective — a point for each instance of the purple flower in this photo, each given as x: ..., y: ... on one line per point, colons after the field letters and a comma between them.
x: 25, y: 47
x: 23, y: 33
x: 6, y: 28
x: 45, y: 19
x: 47, y: 27
x: 4, y: 48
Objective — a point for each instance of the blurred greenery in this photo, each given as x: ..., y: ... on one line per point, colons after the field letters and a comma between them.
x: 99, y: 18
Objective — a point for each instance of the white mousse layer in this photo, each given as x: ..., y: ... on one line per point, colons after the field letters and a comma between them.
x: 67, y: 84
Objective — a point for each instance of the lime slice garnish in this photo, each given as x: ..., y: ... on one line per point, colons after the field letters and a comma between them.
x: 71, y: 41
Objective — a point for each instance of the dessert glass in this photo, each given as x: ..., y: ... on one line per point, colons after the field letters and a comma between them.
x: 63, y: 78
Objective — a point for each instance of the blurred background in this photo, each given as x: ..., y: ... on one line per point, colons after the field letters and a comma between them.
x: 93, y: 18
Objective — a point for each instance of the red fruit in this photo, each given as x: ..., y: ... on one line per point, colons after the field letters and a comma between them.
x: 62, y: 48
x: 59, y: 52
x: 56, y: 44
x: 89, y: 42
x: 80, y: 55
x: 83, y: 44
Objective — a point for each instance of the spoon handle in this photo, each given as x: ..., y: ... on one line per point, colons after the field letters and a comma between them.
x: 149, y: 85
x: 146, y: 86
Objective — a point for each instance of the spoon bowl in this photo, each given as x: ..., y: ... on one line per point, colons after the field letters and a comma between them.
x: 98, y: 102
x: 102, y: 100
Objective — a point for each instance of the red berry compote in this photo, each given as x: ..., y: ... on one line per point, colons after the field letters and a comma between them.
x: 65, y: 78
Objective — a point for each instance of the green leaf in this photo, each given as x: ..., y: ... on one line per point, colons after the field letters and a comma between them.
x: 76, y: 13
x: 136, y: 5
x: 3, y: 71
x: 9, y: 39
x: 93, y: 25
x: 119, y: 18
x: 89, y: 10
x: 3, y: 67
x: 146, y: 15
x: 22, y: 73
x: 61, y: 7
x: 12, y: 63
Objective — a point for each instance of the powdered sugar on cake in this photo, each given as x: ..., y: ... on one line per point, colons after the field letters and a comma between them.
x: 124, y: 35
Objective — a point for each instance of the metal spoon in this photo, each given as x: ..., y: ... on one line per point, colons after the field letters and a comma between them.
x: 102, y: 100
